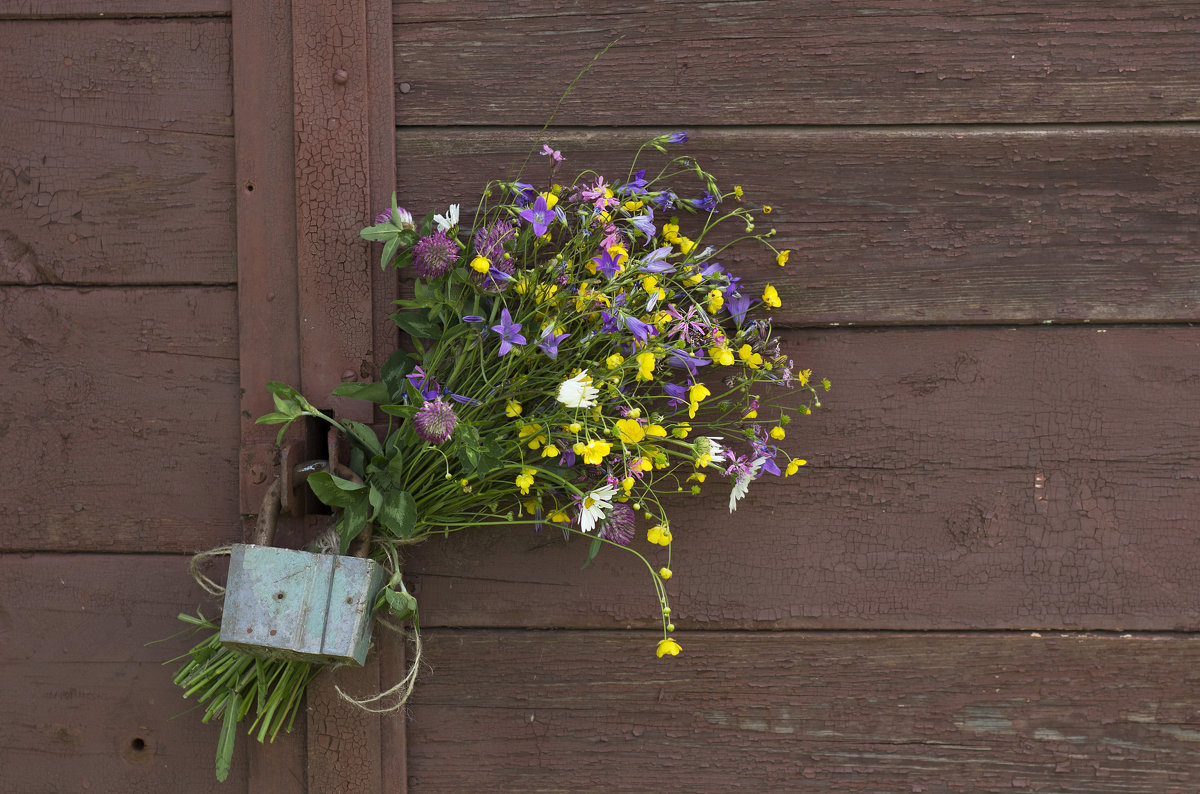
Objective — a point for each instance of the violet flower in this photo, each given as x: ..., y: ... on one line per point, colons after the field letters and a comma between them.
x: 539, y: 215
x: 737, y: 304
x: 640, y: 330
x: 645, y: 224
x: 707, y: 202
x: 608, y: 263
x: 510, y: 332
x: 656, y: 261
x: 554, y: 155
x: 435, y: 422
x: 423, y: 383
x: 550, y: 341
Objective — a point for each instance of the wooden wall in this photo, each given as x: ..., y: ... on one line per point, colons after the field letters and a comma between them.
x: 985, y: 579
x: 119, y: 392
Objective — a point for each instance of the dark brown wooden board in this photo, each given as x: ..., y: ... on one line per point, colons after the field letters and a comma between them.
x: 880, y: 62
x: 985, y: 478
x: 109, y: 9
x: 985, y: 225
x: 87, y: 704
x: 119, y: 415
x: 811, y: 712
x: 116, y: 153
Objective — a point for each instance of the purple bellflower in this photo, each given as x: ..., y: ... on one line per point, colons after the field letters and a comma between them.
x: 539, y: 215
x: 550, y: 341
x: 510, y: 332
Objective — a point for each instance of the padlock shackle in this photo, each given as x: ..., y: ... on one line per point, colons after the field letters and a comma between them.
x: 268, y: 513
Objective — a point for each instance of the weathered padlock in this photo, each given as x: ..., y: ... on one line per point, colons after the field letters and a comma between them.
x: 287, y: 604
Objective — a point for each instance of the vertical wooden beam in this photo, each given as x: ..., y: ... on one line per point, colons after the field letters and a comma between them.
x: 333, y: 198
x: 268, y: 347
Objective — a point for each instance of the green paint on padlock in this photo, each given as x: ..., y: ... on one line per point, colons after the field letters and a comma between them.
x: 287, y: 604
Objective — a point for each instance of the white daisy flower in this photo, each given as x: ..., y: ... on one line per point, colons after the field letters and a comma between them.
x: 448, y: 221
x: 708, y: 445
x: 594, y: 506
x: 742, y: 485
x: 578, y: 392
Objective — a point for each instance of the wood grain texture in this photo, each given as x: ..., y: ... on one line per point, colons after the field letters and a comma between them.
x: 986, y: 478
x: 116, y: 153
x: 812, y: 712
x: 333, y: 193
x: 268, y: 310
x: 109, y: 9
x: 732, y: 62
x: 985, y: 225
x: 119, y: 406
x: 88, y: 705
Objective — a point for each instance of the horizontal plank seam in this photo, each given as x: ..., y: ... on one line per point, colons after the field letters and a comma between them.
x: 684, y: 630
x: 103, y: 17
x: 1148, y: 125
x: 95, y: 285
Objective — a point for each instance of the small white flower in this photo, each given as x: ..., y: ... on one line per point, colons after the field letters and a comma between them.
x: 404, y: 219
x: 448, y: 221
x: 742, y: 485
x: 594, y: 506
x: 578, y: 392
x: 709, y: 446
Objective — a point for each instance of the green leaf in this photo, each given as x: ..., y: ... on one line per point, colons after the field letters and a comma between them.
x: 273, y: 419
x: 593, y: 550
x: 418, y: 324
x: 364, y: 435
x: 228, y: 736
x: 375, y: 497
x: 354, y: 517
x: 282, y: 390
x: 372, y: 392
x: 334, y: 491
x: 380, y: 232
x: 394, y: 371
x: 389, y: 251
x: 404, y: 411
x: 398, y: 513
x: 402, y: 605
x: 426, y: 226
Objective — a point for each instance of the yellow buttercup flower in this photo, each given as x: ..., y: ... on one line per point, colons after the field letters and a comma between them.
x: 778, y: 433
x: 686, y: 245
x: 645, y: 362
x: 793, y: 466
x: 550, y: 451
x: 738, y: 192
x: 715, y: 301
x: 614, y: 361
x: 681, y: 430
x: 751, y: 415
x: 627, y: 485
x: 781, y: 258
x: 657, y: 431
x: 752, y: 359
x: 659, y: 534
x: 594, y: 452
x: 629, y: 431
x: 550, y: 198
x: 512, y: 409
x: 721, y: 355
x: 525, y: 479
x: 771, y: 297
x: 481, y: 264
x: 668, y: 647
x: 665, y: 573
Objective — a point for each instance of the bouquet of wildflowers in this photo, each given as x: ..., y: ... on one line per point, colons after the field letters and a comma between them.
x: 577, y: 356
x: 578, y: 353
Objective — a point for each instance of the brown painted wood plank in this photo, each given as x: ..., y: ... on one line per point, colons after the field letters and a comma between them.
x: 87, y: 705
x: 982, y: 225
x: 116, y: 153
x: 967, y: 478
x: 333, y: 195
x: 877, y: 62
x: 108, y: 9
x: 119, y: 408
x: 812, y: 712
x: 268, y: 312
